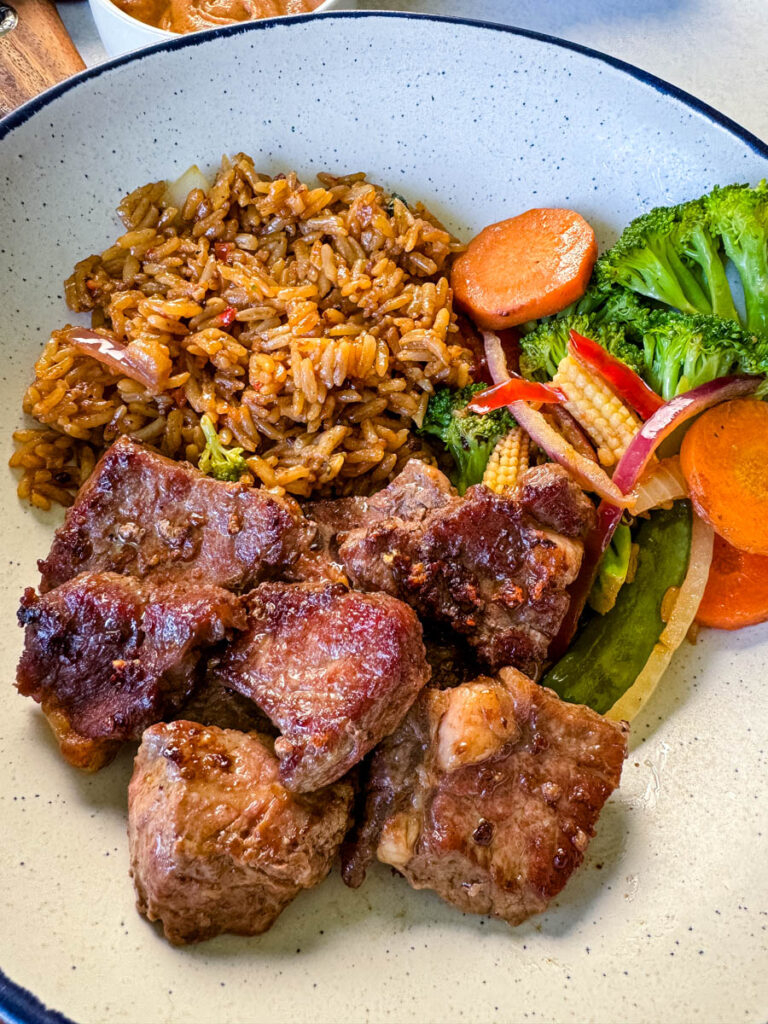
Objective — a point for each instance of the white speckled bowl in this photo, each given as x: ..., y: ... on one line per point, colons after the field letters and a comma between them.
x: 666, y: 921
x: 121, y: 33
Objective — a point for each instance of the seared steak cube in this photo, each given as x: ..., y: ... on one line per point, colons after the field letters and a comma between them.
x: 452, y: 661
x: 213, y: 703
x: 489, y: 793
x: 334, y: 670
x: 417, y: 490
x: 217, y: 844
x: 113, y: 654
x: 493, y: 567
x: 140, y: 514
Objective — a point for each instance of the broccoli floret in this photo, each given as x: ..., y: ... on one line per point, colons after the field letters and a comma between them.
x: 468, y: 437
x: 703, y: 248
x: 682, y: 351
x: 675, y: 256
x: 543, y: 348
x: 216, y: 460
x: 648, y: 258
x: 739, y: 215
x: 624, y: 307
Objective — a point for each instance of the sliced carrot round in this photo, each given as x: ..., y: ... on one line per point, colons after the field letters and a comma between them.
x: 524, y: 268
x: 724, y: 458
x: 737, y: 589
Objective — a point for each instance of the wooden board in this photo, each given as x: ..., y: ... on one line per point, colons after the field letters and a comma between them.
x: 34, y: 55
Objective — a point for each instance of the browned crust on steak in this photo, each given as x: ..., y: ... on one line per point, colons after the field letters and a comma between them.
x: 142, y: 514
x: 335, y: 670
x: 113, y: 654
x: 493, y: 567
x: 217, y: 844
x: 489, y: 793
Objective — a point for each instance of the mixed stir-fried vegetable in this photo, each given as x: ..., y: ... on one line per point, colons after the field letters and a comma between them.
x: 658, y: 347
x: 612, y: 649
x: 469, y: 438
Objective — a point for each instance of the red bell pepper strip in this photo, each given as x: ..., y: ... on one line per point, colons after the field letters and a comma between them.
x: 629, y: 387
x: 514, y: 390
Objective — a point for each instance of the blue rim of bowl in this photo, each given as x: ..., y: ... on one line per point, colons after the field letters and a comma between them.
x: 18, y: 1004
x: 23, y: 113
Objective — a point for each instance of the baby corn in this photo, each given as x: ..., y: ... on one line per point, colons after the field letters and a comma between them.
x: 509, y: 459
x: 606, y: 419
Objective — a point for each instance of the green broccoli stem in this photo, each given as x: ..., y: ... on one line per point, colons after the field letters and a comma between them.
x: 750, y: 260
x: 612, y: 649
x: 657, y: 271
x: 705, y: 252
x: 738, y: 215
x: 696, y: 298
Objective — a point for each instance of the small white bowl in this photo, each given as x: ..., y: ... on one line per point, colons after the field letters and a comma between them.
x: 121, y: 33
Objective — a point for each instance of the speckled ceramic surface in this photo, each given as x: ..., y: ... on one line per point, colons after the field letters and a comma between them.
x: 667, y: 919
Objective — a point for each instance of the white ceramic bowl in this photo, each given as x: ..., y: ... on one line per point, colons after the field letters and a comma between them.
x: 120, y: 33
x: 479, y: 122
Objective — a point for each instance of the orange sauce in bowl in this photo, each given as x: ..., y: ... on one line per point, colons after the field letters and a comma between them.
x: 193, y: 15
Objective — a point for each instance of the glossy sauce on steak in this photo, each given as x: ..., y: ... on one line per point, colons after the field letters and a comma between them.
x: 335, y: 670
x: 492, y: 567
x: 489, y: 793
x: 142, y: 514
x: 114, y: 654
x: 217, y: 844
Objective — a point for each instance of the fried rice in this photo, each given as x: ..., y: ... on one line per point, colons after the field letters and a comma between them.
x: 310, y: 323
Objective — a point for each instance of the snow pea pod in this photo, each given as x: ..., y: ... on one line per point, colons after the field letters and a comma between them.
x: 607, y: 656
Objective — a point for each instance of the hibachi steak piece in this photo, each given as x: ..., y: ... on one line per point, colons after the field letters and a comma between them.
x: 114, y: 654
x: 492, y: 567
x: 217, y: 843
x: 140, y: 513
x: 489, y: 793
x: 213, y: 703
x: 335, y: 670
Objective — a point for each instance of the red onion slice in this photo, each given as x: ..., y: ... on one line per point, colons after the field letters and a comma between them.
x: 123, y: 360
x: 669, y: 417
